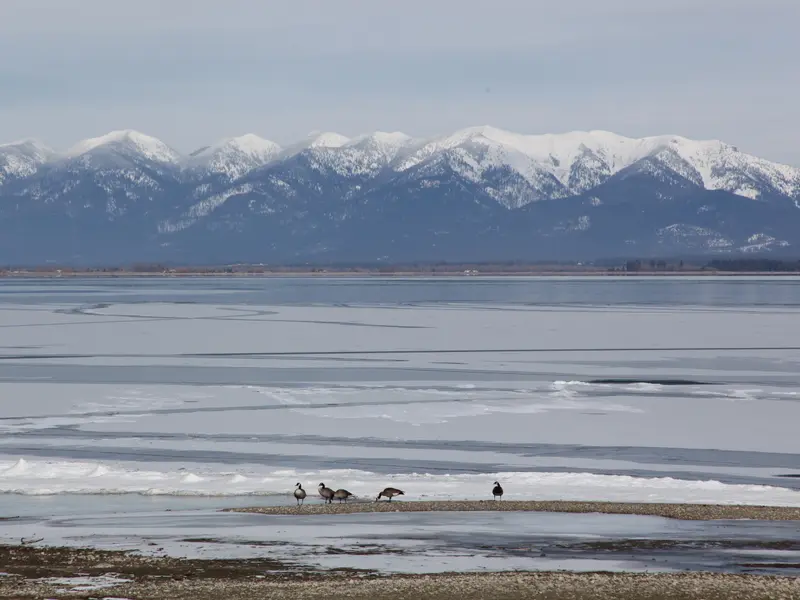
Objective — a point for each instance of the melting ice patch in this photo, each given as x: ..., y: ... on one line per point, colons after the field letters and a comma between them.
x: 419, y: 406
x: 84, y: 584
x: 431, y: 413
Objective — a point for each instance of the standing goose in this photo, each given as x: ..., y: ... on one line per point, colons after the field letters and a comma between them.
x: 497, y: 491
x: 389, y: 492
x: 341, y: 495
x: 299, y: 493
x: 326, y: 493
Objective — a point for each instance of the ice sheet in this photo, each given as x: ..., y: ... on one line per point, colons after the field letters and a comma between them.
x: 190, y: 390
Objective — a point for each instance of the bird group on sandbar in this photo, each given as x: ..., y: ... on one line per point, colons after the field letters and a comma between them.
x: 329, y: 495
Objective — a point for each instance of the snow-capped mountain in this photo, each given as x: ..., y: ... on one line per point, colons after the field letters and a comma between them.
x: 573, y: 163
x: 107, y: 177
x: 22, y: 159
x: 126, y: 144
x: 477, y: 193
x: 235, y: 156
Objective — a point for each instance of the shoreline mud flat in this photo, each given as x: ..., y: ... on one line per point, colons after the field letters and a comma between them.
x: 51, y: 572
x: 686, y: 512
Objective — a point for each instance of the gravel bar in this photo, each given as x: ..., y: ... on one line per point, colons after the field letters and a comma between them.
x: 686, y: 512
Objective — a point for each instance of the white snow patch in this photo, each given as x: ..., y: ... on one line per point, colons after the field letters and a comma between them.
x: 327, y: 140
x: 74, y: 477
x: 84, y: 584
x: 759, y: 242
x: 693, y: 235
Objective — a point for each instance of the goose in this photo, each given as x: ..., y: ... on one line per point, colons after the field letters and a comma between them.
x: 497, y: 491
x: 389, y: 492
x: 299, y: 493
x: 326, y: 493
x: 341, y: 495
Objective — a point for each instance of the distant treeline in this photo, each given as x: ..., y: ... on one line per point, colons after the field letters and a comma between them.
x: 653, y: 264
x: 604, y: 266
x: 731, y: 265
x: 375, y: 268
x: 766, y: 265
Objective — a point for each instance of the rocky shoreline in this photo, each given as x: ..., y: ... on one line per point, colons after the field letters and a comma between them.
x: 46, y: 572
x: 33, y: 571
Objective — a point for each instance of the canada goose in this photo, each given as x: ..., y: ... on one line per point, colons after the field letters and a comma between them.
x: 389, y: 492
x: 326, y: 493
x: 497, y: 491
x: 299, y: 493
x: 341, y: 495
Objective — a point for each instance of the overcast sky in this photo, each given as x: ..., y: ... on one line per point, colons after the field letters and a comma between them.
x: 193, y: 71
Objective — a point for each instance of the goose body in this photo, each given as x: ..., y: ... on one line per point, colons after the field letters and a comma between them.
x: 341, y: 495
x: 299, y: 493
x: 326, y: 493
x: 389, y: 492
x: 497, y: 491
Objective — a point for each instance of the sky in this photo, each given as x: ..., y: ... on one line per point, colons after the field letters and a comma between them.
x: 192, y: 72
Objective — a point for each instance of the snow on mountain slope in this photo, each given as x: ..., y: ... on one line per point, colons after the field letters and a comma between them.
x: 111, y: 177
x: 583, y: 160
x: 385, y: 145
x: 233, y: 157
x: 328, y: 140
x: 201, y: 209
x: 505, y: 174
x: 316, y: 139
x: 316, y: 143
x: 554, y: 152
x: 22, y: 159
x: 127, y: 142
x: 364, y: 156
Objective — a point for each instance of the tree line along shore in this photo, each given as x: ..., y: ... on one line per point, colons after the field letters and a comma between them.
x: 651, y: 266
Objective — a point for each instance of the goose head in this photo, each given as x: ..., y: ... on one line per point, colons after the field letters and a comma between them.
x: 321, y: 485
x: 496, y: 483
x: 298, y: 486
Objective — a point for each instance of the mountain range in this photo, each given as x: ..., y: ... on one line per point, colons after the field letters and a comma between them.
x: 479, y: 194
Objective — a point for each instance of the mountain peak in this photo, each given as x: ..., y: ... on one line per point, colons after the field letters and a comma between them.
x: 150, y: 147
x: 253, y: 144
x: 27, y: 145
x: 22, y: 158
x: 326, y: 140
x: 394, y: 138
x: 235, y: 156
x: 248, y: 144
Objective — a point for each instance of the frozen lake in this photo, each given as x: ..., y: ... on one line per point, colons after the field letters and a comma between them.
x: 232, y: 390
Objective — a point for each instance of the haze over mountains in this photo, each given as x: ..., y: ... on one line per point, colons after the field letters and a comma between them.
x: 479, y: 194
